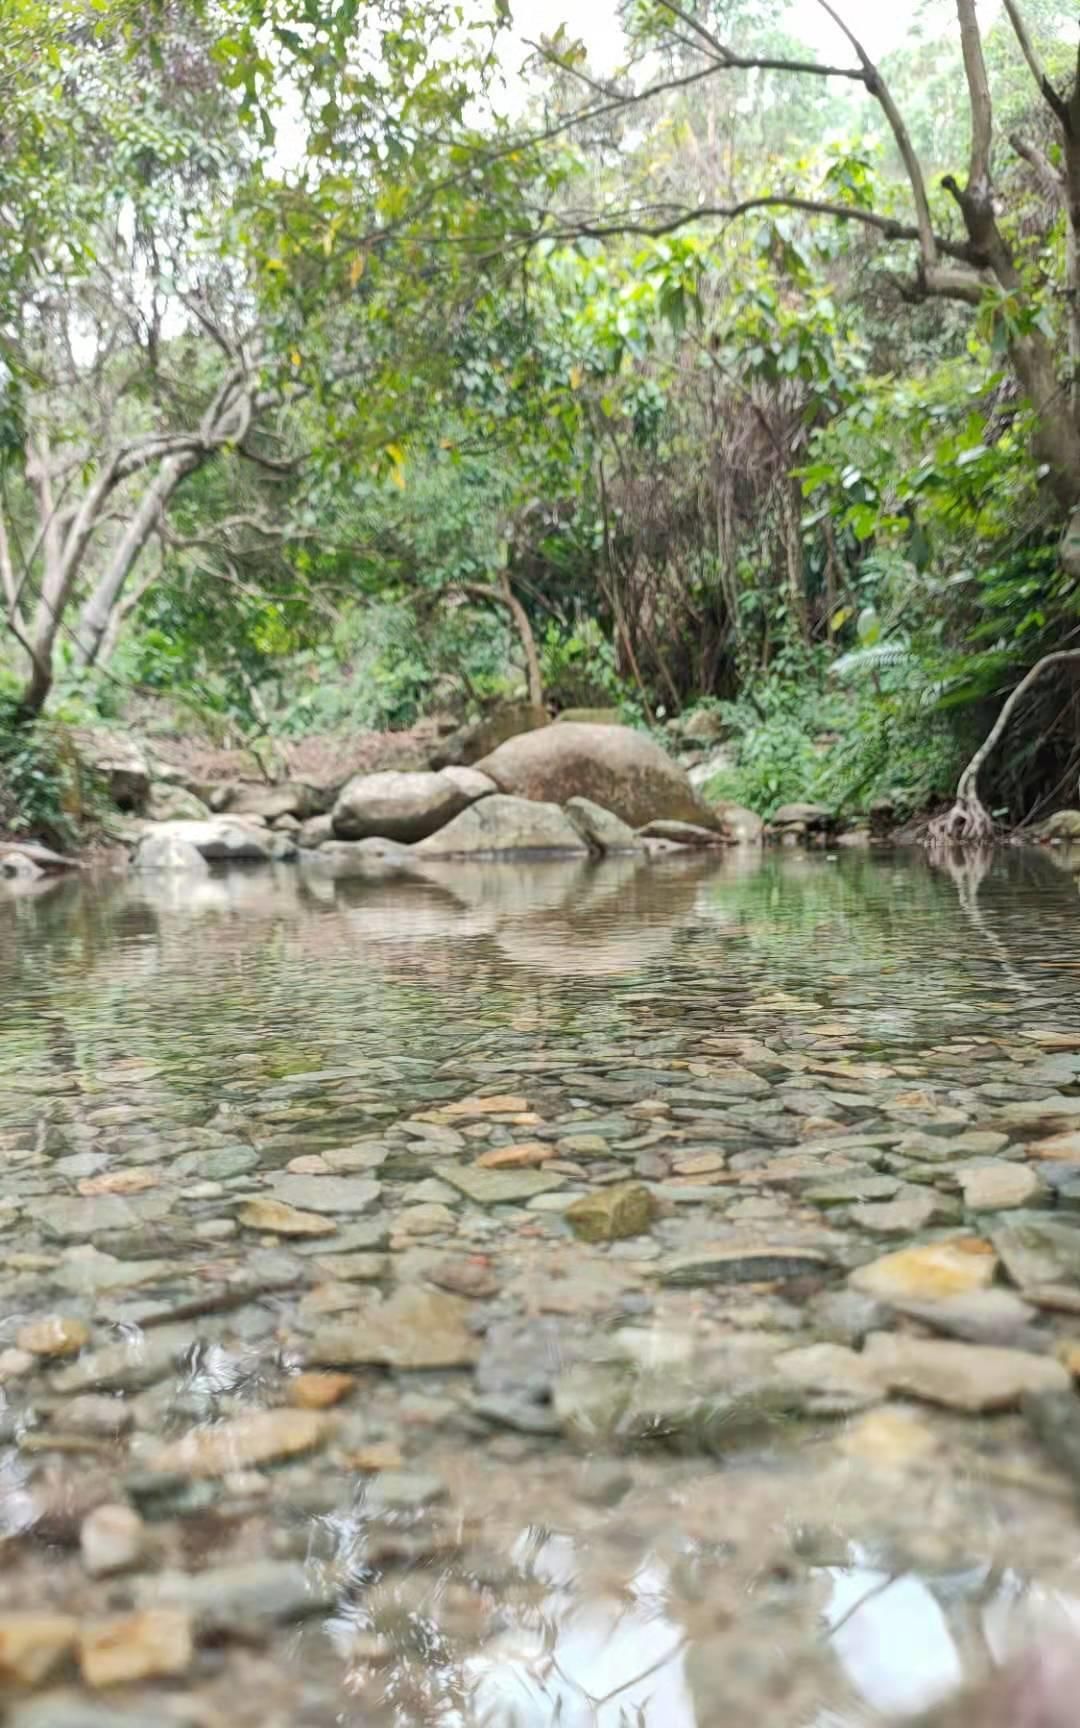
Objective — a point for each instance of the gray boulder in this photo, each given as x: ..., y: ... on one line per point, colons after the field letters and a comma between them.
x: 19, y: 867
x: 168, y: 802
x: 803, y: 817
x: 168, y: 852
x: 601, y: 831
x: 345, y: 858
x: 480, y: 737
x: 621, y: 770
x: 469, y: 782
x: 682, y: 834
x: 219, y: 837
x: 316, y: 831
x: 739, y: 826
x: 117, y: 762
x: 397, y: 806
x: 294, y: 798
x: 500, y: 824
x: 1062, y: 825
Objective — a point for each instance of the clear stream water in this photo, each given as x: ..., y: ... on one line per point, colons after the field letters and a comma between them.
x: 510, y: 1477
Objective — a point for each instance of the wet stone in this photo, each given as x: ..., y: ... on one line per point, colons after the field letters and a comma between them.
x: 411, y: 1329
x: 1000, y: 1187
x: 499, y: 1187
x: 144, y: 1646
x: 259, y: 1437
x: 612, y: 1214
x: 1039, y: 1251
x: 111, y: 1540
x: 930, y: 1272
x: 744, y: 1266
x: 969, y: 1377
x: 242, y: 1598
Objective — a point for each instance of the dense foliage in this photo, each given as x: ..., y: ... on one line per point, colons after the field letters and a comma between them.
x: 345, y: 378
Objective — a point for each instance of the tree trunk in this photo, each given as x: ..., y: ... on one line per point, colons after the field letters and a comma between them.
x: 94, y: 619
x: 504, y: 595
x: 969, y: 823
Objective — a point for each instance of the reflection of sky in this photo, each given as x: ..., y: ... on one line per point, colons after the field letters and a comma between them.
x: 597, y: 1662
x: 896, y: 1649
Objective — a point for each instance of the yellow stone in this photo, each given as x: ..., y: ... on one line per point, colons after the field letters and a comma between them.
x: 500, y: 1105
x: 1063, y: 1146
x: 120, y: 1182
x: 1068, y: 1354
x: 137, y: 1647
x: 56, y: 1336
x: 318, y: 1391
x: 380, y: 1455
x: 928, y: 1273
x: 520, y: 1157
x: 32, y: 1645
x: 889, y: 1437
x: 257, y: 1438
x: 278, y: 1219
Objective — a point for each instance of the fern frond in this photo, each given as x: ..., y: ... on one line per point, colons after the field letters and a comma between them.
x: 872, y: 659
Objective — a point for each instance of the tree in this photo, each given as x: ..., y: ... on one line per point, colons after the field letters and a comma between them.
x: 967, y: 240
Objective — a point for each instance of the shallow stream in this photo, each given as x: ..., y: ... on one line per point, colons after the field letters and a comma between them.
x: 323, y: 1399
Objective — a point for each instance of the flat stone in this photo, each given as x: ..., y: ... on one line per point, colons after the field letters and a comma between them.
x: 33, y: 1645
x: 1064, y: 1148
x: 143, y: 1646
x: 504, y: 824
x: 935, y: 1270
x: 744, y: 1265
x: 56, y: 1336
x: 852, y: 1190
x: 611, y: 1214
x: 522, y: 1156
x: 319, y: 1391
x: 599, y: 828
x: 906, y: 1215
x: 77, y: 1218
x: 71, y: 1709
x: 333, y: 1194
x: 359, y: 1268
x: 430, y: 1219
x: 1039, y: 1251
x: 889, y: 1439
x: 85, y: 1271
x: 95, y: 1413
x: 499, y: 1104
x: 970, y: 1377
x: 841, y: 1380
x: 413, y: 1328
x: 279, y: 1219
x: 145, y: 1359
x: 999, y: 1187
x: 258, y: 1437
x: 111, y: 1540
x: 994, y: 1316
x: 499, y: 1187
x: 242, y: 1598
x: 1057, y: 1107
x: 402, y: 1491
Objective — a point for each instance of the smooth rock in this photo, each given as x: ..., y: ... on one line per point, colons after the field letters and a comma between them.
x: 143, y: 1646
x: 111, y: 1540
x: 970, y: 1377
x: 279, y: 1219
x: 744, y: 1265
x: 413, y: 1328
x: 242, y: 1598
x: 505, y: 824
x: 690, y: 834
x: 611, y: 1214
x: 616, y: 767
x: 33, y: 1645
x: 601, y: 831
x: 999, y: 1187
x: 360, y: 858
x: 1039, y: 1251
x: 57, y: 1336
x: 402, y: 1491
x: 499, y: 1187
x: 319, y: 1391
x: 840, y: 1379
x: 927, y: 1273
x: 333, y: 1194
x: 169, y: 853
x: 405, y: 807
x: 258, y: 1437
x: 219, y: 838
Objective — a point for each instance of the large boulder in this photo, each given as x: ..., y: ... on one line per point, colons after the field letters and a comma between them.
x: 480, y: 737
x: 500, y: 824
x: 167, y: 852
x: 601, y: 831
x: 294, y: 798
x: 397, y: 806
x: 169, y: 803
x: 739, y: 826
x: 118, y: 763
x: 621, y: 770
x: 344, y: 858
x: 218, y: 838
x: 1062, y: 825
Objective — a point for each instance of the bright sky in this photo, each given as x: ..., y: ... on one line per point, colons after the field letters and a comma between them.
x: 879, y: 26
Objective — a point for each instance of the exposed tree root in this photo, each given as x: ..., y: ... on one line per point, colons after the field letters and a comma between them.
x: 969, y: 823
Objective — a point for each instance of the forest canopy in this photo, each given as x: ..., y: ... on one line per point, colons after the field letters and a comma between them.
x: 361, y: 360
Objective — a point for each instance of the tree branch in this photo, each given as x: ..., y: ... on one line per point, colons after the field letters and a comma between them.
x: 881, y: 93
x: 982, y: 113
x: 1052, y: 183
x: 888, y: 226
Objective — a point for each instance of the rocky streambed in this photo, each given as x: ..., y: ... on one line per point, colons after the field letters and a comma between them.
x: 571, y: 1293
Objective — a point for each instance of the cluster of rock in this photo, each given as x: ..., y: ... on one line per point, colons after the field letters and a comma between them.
x: 567, y: 790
